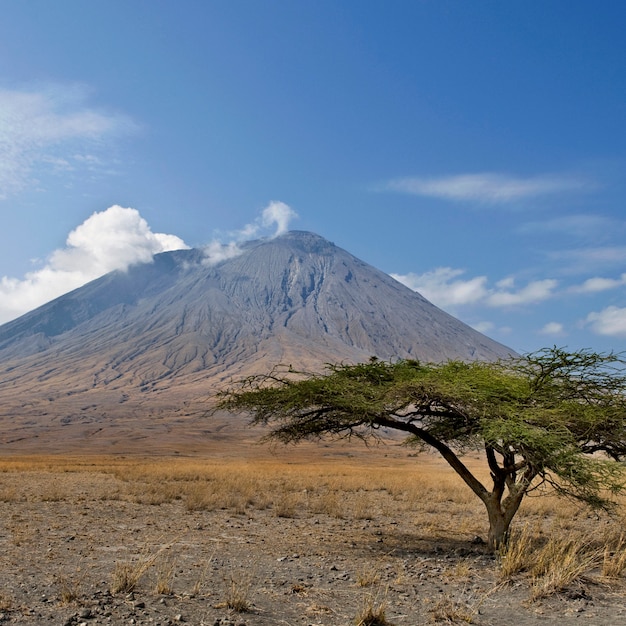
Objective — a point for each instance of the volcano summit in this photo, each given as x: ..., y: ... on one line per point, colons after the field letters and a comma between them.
x: 158, y: 339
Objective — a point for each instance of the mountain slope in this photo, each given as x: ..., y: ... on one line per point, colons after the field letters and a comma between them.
x: 160, y: 337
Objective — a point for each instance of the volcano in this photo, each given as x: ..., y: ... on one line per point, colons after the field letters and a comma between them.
x: 156, y: 341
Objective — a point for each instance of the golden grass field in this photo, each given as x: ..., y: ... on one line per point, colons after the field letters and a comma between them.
x: 331, y: 534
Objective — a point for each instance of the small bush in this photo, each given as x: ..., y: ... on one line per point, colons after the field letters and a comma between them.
x: 367, y: 576
x: 238, y: 594
x: 561, y: 562
x: 518, y: 555
x: 372, y: 613
x: 164, y: 577
x: 5, y: 602
x: 127, y: 574
x: 69, y: 590
x: 614, y: 559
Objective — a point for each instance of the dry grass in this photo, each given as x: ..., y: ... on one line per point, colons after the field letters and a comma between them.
x: 127, y: 574
x: 9, y: 494
x: 344, y: 488
x: 6, y: 602
x: 200, y: 582
x: 69, y: 589
x: 368, y: 540
x: 451, y: 610
x: 164, y: 584
x: 238, y: 593
x: 367, y: 576
x: 554, y: 545
x: 567, y: 556
x: 518, y: 555
x: 459, y: 571
x: 372, y: 612
x: 560, y: 563
x: 286, y: 504
x: 341, y: 489
x: 614, y: 557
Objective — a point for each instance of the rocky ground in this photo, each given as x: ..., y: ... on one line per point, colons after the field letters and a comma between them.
x: 85, y: 547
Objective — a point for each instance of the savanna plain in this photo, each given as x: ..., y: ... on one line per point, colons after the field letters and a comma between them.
x: 319, y: 534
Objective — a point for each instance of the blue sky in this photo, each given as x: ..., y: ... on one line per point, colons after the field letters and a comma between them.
x: 474, y: 150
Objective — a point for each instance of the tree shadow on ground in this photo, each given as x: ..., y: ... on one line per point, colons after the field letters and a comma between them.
x: 427, y: 546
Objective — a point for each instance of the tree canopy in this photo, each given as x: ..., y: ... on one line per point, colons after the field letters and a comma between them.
x: 553, y: 418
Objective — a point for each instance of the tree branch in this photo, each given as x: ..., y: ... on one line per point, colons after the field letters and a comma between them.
x: 453, y: 460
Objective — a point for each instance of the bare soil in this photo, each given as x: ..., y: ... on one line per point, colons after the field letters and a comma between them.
x: 71, y: 529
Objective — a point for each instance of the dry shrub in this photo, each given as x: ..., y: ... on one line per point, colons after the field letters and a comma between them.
x: 156, y: 493
x: 553, y: 564
x: 9, y: 494
x: 440, y: 505
x: 22, y: 533
x: 201, y: 580
x: 343, y: 488
x: 459, y: 610
x: 362, y: 507
x: 236, y: 503
x: 329, y: 503
x: 368, y: 575
x: 372, y: 612
x: 127, y: 574
x: 614, y: 558
x: 544, y: 509
x: 198, y: 498
x: 460, y: 571
x: 164, y: 577
x: 561, y: 562
x: 299, y: 589
x: 6, y: 602
x: 69, y: 589
x: 518, y: 555
x: 238, y: 593
x: 286, y: 504
x: 448, y: 610
x: 55, y: 494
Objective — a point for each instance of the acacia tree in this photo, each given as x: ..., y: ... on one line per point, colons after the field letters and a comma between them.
x: 552, y: 418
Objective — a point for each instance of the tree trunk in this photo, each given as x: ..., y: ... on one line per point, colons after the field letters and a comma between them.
x: 499, y: 524
x: 501, y: 514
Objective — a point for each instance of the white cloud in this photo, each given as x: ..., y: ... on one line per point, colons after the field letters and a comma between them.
x: 484, y: 327
x: 582, y: 226
x: 586, y: 260
x: 280, y: 214
x: 109, y: 240
x: 443, y: 288
x: 43, y: 130
x: 506, y: 283
x: 597, y: 284
x: 533, y: 292
x: 216, y: 252
x: 276, y: 214
x: 487, y: 187
x: 610, y: 321
x: 490, y: 329
x: 553, y: 328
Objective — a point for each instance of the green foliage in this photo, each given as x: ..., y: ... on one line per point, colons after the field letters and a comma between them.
x: 542, y: 418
